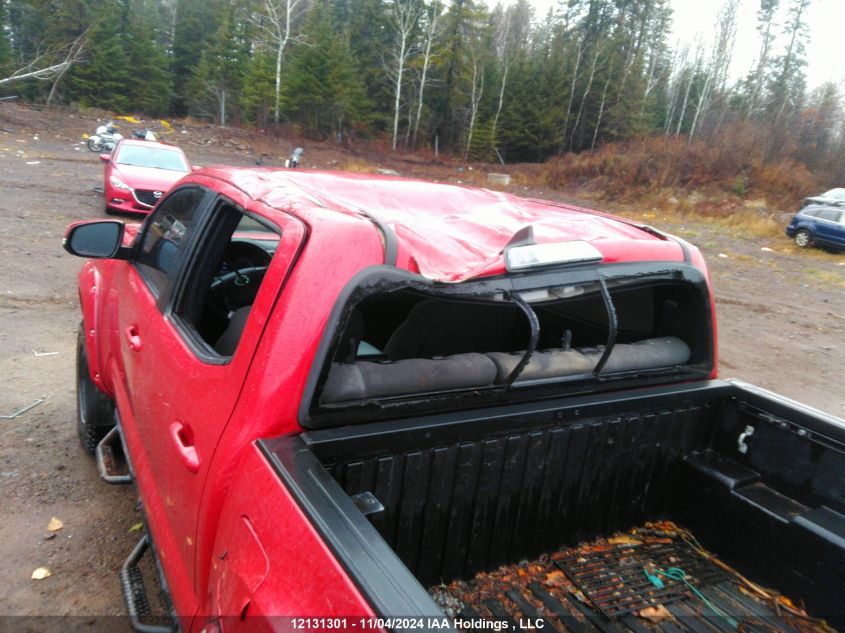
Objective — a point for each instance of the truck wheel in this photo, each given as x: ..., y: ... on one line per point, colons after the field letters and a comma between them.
x: 803, y: 238
x: 94, y: 409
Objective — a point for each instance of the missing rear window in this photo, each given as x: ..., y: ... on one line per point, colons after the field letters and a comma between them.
x: 405, y: 343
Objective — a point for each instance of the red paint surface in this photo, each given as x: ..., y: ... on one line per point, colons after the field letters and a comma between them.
x: 221, y: 495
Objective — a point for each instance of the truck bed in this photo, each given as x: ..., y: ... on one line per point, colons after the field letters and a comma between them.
x: 655, y: 577
x: 455, y: 503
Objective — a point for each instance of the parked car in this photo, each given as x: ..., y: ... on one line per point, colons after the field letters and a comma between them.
x: 834, y: 197
x: 138, y: 173
x: 818, y: 225
x: 348, y: 401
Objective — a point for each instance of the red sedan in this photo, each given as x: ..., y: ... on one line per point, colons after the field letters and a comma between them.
x: 139, y: 172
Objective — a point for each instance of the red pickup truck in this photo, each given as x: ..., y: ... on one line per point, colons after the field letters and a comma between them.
x: 350, y: 402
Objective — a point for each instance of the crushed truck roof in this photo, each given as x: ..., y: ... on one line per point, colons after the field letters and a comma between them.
x: 447, y: 232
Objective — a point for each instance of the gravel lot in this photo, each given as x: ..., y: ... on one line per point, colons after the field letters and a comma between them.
x: 781, y: 321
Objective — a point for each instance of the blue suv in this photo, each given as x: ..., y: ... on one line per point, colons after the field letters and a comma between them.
x: 816, y: 225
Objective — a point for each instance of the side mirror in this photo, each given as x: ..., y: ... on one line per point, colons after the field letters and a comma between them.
x: 105, y: 157
x: 100, y: 239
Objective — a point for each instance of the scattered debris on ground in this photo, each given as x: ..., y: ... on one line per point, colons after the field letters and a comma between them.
x: 632, y: 581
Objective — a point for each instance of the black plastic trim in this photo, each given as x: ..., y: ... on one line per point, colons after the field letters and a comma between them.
x: 385, y: 582
x: 380, y: 277
x: 391, y: 244
x: 613, y: 320
x: 532, y: 344
x: 822, y: 425
x: 128, y: 595
x: 360, y: 440
x: 114, y: 435
x: 165, y: 589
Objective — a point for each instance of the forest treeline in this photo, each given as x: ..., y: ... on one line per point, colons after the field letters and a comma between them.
x: 484, y: 82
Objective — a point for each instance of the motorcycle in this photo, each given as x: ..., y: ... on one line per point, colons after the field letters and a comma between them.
x: 105, y: 138
x: 293, y: 161
x: 144, y: 135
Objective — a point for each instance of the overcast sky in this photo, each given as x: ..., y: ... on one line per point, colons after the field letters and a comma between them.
x: 825, y: 18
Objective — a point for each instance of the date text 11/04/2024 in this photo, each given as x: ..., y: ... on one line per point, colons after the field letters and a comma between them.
x: 421, y: 624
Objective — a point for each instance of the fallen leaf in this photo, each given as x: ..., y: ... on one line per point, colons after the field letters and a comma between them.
x: 136, y: 528
x: 55, y: 525
x: 41, y: 573
x: 554, y: 578
x: 624, y: 539
x: 655, y: 614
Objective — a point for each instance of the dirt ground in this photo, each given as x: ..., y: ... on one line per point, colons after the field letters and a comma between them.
x: 781, y: 326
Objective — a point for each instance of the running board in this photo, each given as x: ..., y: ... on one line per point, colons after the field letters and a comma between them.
x: 135, y: 593
x: 111, y: 460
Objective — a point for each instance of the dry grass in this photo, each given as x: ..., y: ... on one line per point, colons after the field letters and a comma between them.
x: 751, y: 224
x: 358, y: 166
x: 714, y: 178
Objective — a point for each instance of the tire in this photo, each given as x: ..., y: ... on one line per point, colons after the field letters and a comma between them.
x: 95, y: 144
x: 803, y: 238
x: 94, y: 409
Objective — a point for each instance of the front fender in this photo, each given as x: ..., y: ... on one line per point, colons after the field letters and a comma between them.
x: 91, y: 298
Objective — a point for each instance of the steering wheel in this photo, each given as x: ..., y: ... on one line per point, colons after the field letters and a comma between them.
x: 238, y: 288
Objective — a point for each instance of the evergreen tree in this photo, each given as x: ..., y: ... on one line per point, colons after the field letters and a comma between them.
x: 788, y: 83
x: 5, y: 47
x: 151, y: 89
x: 324, y: 90
x: 258, y: 99
x: 215, y: 89
x: 104, y: 80
x: 369, y: 38
x: 195, y: 22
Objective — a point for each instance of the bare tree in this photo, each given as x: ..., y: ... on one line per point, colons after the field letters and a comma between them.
x: 765, y: 26
x: 503, y: 50
x: 716, y: 73
x: 620, y: 20
x: 432, y: 31
x: 35, y: 69
x: 74, y: 53
x: 691, y: 72
x: 276, y: 20
x: 796, y: 29
x: 475, y: 99
x: 599, y: 46
x: 677, y: 68
x: 403, y: 16
x: 578, y: 56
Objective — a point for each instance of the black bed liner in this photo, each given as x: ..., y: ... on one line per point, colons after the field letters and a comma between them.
x: 464, y: 493
x: 649, y: 579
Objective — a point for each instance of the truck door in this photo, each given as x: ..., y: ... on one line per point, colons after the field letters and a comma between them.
x: 186, y: 364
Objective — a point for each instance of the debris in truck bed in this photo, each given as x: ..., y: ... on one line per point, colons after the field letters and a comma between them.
x: 652, y: 578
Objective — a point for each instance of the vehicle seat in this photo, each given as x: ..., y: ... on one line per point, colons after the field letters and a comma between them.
x: 435, y: 328
x: 228, y: 341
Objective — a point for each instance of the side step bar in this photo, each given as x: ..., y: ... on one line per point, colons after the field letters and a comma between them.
x: 135, y: 593
x: 111, y: 460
